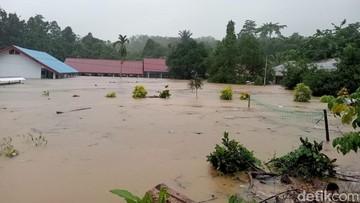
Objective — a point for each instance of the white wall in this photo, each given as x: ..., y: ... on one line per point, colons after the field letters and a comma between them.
x: 18, y: 65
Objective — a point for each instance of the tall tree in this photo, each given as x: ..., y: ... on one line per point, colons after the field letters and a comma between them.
x: 153, y: 49
x: 267, y: 29
x: 187, y: 59
x: 185, y: 35
x: 225, y: 60
x: 122, y: 49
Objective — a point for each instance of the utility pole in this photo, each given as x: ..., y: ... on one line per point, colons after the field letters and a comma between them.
x: 266, y: 62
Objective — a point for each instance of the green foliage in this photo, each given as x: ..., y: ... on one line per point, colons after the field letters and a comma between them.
x: 302, y: 93
x: 258, y: 80
x: 7, y: 149
x: 321, y: 82
x: 153, y: 49
x: 110, y: 95
x: 130, y: 198
x: 305, y: 162
x: 244, y: 95
x: 347, y: 107
x: 187, y: 58
x: 294, y: 74
x: 139, y: 92
x: 36, y: 140
x: 238, y: 199
x: 165, y: 93
x: 46, y: 93
x: 226, y: 93
x: 232, y: 157
x: 196, y: 83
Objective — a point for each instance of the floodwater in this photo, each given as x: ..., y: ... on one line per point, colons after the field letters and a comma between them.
x: 135, y: 144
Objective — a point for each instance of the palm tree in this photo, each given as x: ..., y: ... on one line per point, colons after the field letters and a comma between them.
x: 185, y: 35
x: 270, y: 28
x: 122, y: 49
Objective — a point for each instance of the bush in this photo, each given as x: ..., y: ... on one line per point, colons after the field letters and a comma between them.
x: 226, y: 93
x: 232, y: 157
x: 110, y: 95
x: 294, y: 74
x: 305, y: 162
x: 258, y: 80
x: 321, y: 82
x: 7, y: 149
x: 165, y: 93
x: 139, y: 92
x: 244, y: 95
x: 302, y: 93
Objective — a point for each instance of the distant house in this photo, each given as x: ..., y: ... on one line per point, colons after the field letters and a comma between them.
x: 155, y: 68
x: 105, y: 67
x: 16, y: 61
x: 326, y: 64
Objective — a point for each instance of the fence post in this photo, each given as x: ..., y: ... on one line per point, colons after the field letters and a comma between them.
x: 326, y: 126
x: 249, y: 101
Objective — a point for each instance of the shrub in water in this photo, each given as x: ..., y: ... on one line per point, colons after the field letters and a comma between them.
x: 302, y: 93
x: 110, y: 95
x: 226, y: 93
x: 258, y: 80
x: 244, y: 95
x: 305, y: 162
x: 165, y: 93
x: 139, y: 92
x: 231, y: 157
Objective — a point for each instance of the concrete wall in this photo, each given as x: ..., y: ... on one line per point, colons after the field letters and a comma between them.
x: 18, y: 65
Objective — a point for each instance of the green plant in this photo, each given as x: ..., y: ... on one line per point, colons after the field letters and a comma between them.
x: 110, y: 95
x: 348, y: 108
x: 302, y: 93
x: 258, y: 80
x: 305, y: 162
x: 36, y: 140
x: 232, y: 157
x: 238, y: 199
x: 7, y: 149
x: 226, y: 93
x: 195, y: 83
x: 46, y: 93
x: 165, y: 93
x: 147, y: 198
x: 139, y: 92
x: 244, y: 95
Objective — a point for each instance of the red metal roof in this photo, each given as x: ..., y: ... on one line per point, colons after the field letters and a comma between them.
x: 155, y: 65
x: 105, y: 66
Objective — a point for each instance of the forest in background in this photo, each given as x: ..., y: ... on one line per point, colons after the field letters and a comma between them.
x: 239, y: 57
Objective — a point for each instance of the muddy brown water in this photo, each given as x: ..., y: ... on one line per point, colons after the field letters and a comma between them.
x: 135, y: 144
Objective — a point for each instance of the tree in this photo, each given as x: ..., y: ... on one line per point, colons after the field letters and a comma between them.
x: 185, y: 35
x: 122, y: 49
x: 225, y: 60
x: 186, y: 59
x: 153, y: 49
x: 347, y: 107
x: 251, y: 56
x: 269, y: 28
x: 196, y: 83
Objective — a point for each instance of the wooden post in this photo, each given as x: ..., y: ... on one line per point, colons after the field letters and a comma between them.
x: 249, y: 101
x: 326, y: 126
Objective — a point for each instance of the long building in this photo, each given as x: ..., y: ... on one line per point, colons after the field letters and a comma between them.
x: 103, y: 67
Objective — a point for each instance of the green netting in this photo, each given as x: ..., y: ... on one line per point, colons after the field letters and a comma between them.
x: 314, y: 116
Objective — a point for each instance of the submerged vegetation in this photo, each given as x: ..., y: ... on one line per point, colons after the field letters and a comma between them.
x: 232, y: 157
x: 305, y: 162
x: 110, y: 95
x: 139, y: 92
x: 7, y: 148
x: 302, y: 93
x: 147, y: 198
x: 226, y: 93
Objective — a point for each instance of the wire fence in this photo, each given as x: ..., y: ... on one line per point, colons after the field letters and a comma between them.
x: 315, y: 116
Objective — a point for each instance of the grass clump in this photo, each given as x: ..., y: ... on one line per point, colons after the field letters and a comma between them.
x: 232, y: 157
x: 36, y: 140
x: 7, y: 149
x: 302, y: 93
x: 226, y: 93
x: 139, y: 92
x: 305, y: 162
x: 110, y: 95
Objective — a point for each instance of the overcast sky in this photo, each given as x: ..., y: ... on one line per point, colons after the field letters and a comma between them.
x: 106, y: 19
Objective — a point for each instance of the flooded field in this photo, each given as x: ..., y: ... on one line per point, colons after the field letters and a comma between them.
x: 135, y: 144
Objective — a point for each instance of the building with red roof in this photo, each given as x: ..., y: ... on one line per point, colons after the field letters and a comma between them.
x: 105, y: 67
x: 155, y: 67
